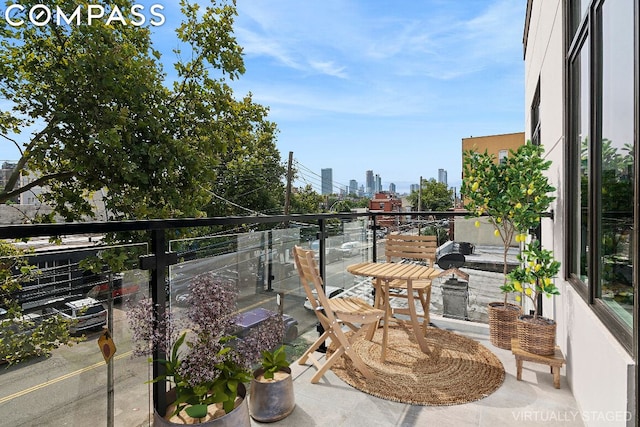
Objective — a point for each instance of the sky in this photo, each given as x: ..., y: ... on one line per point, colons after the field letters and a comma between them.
x: 387, y: 86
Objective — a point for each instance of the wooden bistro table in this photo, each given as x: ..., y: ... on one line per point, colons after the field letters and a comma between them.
x: 383, y: 273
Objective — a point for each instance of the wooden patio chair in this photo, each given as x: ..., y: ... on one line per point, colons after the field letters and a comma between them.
x: 412, y: 248
x: 333, y: 314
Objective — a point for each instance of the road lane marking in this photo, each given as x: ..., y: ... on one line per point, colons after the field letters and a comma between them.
x: 94, y: 366
x: 61, y: 378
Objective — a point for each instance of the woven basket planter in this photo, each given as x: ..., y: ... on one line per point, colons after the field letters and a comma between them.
x: 537, y: 335
x: 502, y: 323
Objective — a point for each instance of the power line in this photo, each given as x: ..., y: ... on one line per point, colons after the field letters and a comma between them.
x: 232, y: 203
x: 334, y: 184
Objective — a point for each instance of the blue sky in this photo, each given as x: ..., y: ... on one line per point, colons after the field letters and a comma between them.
x: 388, y: 86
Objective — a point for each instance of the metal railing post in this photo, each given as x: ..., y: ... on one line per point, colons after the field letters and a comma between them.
x: 374, y: 249
x: 159, y: 298
x: 322, y: 270
x: 158, y: 262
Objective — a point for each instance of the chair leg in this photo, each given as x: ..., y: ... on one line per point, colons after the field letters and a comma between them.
x: 346, y: 346
x: 328, y: 363
x: 427, y: 305
x: 317, y: 343
x: 378, y: 303
x: 425, y: 302
x: 417, y: 327
x: 340, y: 338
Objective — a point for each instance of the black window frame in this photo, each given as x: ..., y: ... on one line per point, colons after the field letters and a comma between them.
x: 579, y: 30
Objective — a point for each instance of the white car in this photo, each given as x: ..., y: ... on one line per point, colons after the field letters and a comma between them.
x: 351, y: 248
x: 330, y: 291
x: 85, y: 313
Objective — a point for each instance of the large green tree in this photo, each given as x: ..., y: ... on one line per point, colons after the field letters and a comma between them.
x: 249, y: 178
x: 435, y: 196
x: 305, y: 200
x: 105, y: 118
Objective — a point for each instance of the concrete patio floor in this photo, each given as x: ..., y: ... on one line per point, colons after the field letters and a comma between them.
x: 531, y: 402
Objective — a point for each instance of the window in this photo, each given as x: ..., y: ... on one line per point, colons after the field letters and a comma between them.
x: 577, y: 10
x: 616, y: 148
x: 579, y: 145
x: 601, y: 135
x: 535, y: 116
x: 502, y: 156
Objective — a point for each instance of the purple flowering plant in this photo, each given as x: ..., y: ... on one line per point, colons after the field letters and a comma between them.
x: 206, y: 362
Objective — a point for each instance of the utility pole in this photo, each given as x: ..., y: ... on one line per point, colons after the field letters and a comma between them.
x: 287, y: 196
x: 419, y: 202
x: 420, y: 195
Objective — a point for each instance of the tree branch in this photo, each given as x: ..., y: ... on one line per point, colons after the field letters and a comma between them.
x: 15, y: 175
x: 14, y: 143
x: 38, y: 182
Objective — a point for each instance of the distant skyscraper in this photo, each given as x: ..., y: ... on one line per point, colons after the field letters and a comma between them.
x: 378, y: 183
x: 414, y: 187
x: 353, y: 187
x: 392, y: 188
x: 369, y: 184
x: 442, y: 176
x: 327, y: 181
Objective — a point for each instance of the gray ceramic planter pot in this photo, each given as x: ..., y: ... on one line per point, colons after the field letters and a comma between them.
x: 239, y: 417
x: 271, y: 401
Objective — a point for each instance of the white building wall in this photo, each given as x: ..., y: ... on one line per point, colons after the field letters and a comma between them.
x: 598, y: 368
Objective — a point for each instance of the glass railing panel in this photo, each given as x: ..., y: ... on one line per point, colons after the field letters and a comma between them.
x: 484, y: 261
x: 466, y: 249
x: 261, y: 266
x: 350, y: 242
x: 69, y: 386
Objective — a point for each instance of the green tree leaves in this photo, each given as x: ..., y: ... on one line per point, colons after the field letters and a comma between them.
x: 108, y: 122
x: 435, y: 196
x: 513, y: 193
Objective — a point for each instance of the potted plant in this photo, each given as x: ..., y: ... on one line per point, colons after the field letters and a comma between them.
x: 206, y: 366
x: 511, y: 194
x: 271, y: 398
x: 533, y: 277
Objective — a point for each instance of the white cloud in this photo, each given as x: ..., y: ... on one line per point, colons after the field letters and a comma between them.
x: 329, y: 68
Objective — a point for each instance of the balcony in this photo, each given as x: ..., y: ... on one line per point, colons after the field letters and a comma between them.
x: 75, y: 387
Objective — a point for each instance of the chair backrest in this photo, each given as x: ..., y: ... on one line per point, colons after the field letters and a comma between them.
x: 310, y: 277
x: 412, y: 247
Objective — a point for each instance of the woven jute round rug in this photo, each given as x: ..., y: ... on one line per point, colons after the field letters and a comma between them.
x: 458, y: 370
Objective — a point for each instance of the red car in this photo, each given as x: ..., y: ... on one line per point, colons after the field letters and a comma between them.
x: 120, y: 290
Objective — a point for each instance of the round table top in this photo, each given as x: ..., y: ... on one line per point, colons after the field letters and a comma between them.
x: 393, y: 270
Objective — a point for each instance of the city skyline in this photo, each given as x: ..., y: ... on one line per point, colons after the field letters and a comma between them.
x: 373, y: 183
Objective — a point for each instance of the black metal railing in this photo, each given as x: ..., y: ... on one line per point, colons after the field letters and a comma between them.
x: 265, y: 263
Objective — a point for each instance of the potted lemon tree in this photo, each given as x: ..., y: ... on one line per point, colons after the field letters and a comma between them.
x: 534, y: 277
x: 511, y: 194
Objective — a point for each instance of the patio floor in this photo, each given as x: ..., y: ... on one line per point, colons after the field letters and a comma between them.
x: 530, y: 402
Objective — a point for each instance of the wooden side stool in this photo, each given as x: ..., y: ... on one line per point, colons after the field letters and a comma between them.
x: 554, y: 361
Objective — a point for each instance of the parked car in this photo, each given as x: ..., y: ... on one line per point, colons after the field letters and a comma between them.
x: 247, y: 320
x: 330, y: 291
x: 23, y: 324
x: 351, y: 248
x: 121, y: 291
x: 83, y: 314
